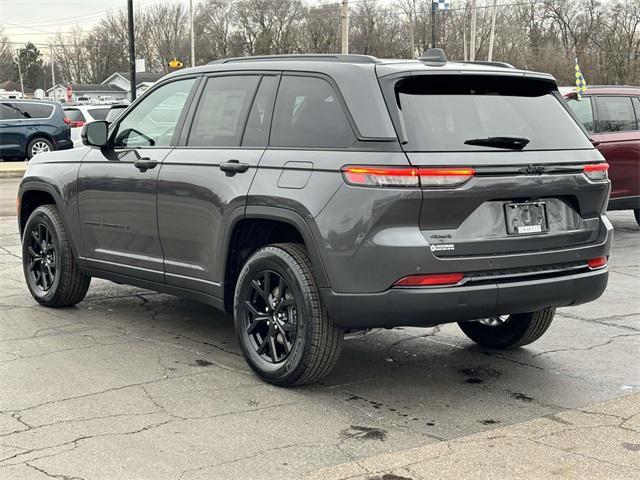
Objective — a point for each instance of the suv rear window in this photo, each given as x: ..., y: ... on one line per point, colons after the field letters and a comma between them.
x: 74, y: 114
x: 99, y: 113
x: 441, y: 112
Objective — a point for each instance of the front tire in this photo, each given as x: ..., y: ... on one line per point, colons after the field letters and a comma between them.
x: 283, y: 328
x: 509, y: 331
x: 49, y: 265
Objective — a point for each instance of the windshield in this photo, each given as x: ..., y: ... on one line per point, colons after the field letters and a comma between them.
x: 442, y: 112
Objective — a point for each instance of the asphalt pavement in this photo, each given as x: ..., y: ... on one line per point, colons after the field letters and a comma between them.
x: 132, y: 384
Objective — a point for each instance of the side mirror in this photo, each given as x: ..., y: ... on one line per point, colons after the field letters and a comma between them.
x: 95, y: 134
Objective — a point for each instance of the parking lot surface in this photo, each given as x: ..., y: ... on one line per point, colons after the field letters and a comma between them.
x: 135, y: 384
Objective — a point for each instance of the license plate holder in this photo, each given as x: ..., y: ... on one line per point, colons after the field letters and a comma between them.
x: 526, y: 218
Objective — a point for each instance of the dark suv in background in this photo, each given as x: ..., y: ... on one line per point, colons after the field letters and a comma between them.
x: 30, y: 127
x: 611, y: 115
x: 314, y: 195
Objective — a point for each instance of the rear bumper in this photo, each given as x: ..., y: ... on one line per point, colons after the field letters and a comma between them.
x: 433, y: 306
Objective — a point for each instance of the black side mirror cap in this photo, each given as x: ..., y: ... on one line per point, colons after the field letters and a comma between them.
x: 95, y: 134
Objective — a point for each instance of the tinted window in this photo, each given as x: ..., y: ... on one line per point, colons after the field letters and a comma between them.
x: 8, y: 111
x: 584, y: 111
x: 636, y: 104
x: 36, y: 110
x: 615, y: 114
x: 256, y: 133
x: 99, y: 113
x: 115, y: 112
x: 153, y: 121
x: 308, y: 114
x: 439, y: 113
x: 222, y: 111
x: 74, y: 114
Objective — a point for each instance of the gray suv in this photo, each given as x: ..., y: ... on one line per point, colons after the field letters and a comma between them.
x: 311, y: 196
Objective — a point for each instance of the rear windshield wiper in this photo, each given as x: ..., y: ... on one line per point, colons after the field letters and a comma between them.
x: 515, y: 143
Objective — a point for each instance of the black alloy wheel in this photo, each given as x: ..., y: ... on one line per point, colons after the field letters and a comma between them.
x: 42, y: 257
x: 270, y: 316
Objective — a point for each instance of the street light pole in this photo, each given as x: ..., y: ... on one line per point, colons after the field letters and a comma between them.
x: 53, y: 73
x: 132, y: 52
x: 434, y: 6
x: 472, y: 46
x: 193, y: 44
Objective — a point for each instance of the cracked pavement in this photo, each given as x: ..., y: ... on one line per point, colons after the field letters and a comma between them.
x: 132, y: 384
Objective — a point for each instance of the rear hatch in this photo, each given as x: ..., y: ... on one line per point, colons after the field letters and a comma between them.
x: 501, y: 161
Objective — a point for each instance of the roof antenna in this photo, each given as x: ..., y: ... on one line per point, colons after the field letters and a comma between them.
x: 434, y: 56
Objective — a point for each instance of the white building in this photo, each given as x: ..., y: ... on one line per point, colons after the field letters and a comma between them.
x: 144, y: 80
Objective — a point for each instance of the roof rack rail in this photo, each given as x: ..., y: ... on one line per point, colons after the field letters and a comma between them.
x: 346, y: 58
x: 491, y: 64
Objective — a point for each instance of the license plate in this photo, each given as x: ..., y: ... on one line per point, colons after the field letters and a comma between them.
x: 526, y: 218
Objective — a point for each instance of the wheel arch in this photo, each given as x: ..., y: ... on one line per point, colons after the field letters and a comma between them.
x: 33, y: 194
x: 277, y: 225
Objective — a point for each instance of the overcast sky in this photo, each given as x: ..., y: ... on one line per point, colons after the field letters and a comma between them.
x: 37, y: 20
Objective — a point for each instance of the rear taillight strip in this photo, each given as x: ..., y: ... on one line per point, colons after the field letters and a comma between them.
x: 597, y: 172
x: 406, y: 177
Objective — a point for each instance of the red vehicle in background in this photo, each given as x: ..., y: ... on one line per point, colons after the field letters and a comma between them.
x: 611, y: 115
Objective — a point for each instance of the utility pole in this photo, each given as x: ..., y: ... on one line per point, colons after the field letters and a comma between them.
x: 132, y: 52
x: 472, y: 45
x: 20, y: 72
x: 53, y: 73
x: 492, y: 35
x: 412, y: 10
x: 193, y: 44
x: 434, y: 6
x: 345, y: 26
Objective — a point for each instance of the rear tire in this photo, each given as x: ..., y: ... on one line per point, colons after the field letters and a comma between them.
x: 283, y: 328
x: 38, y: 145
x: 636, y: 212
x: 49, y: 265
x: 516, y: 331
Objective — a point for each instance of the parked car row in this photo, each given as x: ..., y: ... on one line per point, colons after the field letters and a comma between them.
x: 30, y: 127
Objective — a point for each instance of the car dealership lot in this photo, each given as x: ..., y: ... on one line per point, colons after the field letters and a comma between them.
x: 134, y: 384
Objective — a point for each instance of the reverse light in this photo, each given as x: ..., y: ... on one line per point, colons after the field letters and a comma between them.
x: 406, y: 177
x: 596, y: 263
x: 431, y: 280
x: 445, y: 177
x: 597, y: 171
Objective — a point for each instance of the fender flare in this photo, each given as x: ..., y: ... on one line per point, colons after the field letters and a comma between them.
x: 38, y: 185
x: 284, y: 215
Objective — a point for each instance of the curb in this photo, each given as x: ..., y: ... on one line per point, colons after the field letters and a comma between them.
x: 12, y: 171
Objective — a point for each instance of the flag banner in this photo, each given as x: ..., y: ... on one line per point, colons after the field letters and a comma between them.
x: 581, y: 84
x: 441, y: 4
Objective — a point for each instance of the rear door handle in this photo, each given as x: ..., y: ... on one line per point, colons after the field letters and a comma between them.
x: 144, y: 164
x: 233, y: 166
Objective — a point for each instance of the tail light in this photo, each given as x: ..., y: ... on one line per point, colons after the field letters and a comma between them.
x: 596, y: 263
x: 72, y: 123
x: 406, y: 177
x: 597, y: 171
x: 435, y: 279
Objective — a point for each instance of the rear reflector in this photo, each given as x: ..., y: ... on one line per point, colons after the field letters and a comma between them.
x: 406, y: 177
x: 430, y: 280
x: 597, y: 171
x: 598, y: 262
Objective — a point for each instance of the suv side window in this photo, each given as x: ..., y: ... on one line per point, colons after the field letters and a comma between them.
x: 584, y: 111
x: 308, y: 114
x: 636, y: 105
x: 8, y: 111
x: 256, y: 133
x: 222, y: 111
x: 153, y: 121
x: 615, y: 114
x: 36, y: 110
